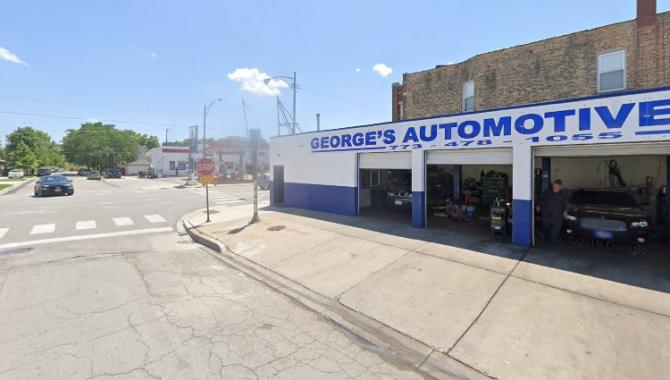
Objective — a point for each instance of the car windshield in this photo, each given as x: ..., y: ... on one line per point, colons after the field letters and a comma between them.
x: 615, y: 198
x: 55, y: 180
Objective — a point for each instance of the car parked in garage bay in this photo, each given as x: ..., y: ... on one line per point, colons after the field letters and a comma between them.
x: 605, y: 214
x: 53, y: 185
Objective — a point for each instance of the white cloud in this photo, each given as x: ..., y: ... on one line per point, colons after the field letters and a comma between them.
x: 358, y: 69
x: 254, y: 81
x: 11, y: 57
x: 151, y: 55
x: 382, y: 69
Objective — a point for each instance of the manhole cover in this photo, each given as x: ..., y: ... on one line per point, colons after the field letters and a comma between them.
x: 276, y: 228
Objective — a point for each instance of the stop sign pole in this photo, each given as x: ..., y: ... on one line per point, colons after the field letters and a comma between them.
x: 205, y: 168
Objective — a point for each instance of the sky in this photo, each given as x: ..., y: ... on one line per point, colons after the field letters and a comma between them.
x: 152, y: 65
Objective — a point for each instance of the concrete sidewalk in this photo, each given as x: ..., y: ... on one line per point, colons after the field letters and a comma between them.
x: 468, y: 306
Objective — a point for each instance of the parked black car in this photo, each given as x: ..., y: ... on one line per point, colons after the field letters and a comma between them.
x: 44, y: 171
x: 610, y: 215
x: 113, y: 173
x: 53, y: 185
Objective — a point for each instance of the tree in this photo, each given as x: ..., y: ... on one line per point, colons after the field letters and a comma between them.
x: 149, y: 141
x: 99, y: 146
x: 28, y: 149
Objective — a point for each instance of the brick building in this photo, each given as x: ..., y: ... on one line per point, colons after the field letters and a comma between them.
x: 628, y: 55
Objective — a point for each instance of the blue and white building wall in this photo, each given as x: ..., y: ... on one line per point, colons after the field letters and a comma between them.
x: 321, y: 168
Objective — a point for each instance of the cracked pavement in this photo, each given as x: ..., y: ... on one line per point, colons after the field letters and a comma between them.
x: 161, y: 307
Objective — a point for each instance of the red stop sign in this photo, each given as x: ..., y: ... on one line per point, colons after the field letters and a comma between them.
x: 205, y: 167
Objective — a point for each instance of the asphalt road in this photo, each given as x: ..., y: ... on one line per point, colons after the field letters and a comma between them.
x: 101, y: 285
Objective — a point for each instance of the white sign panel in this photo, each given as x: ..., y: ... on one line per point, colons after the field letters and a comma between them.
x: 638, y: 116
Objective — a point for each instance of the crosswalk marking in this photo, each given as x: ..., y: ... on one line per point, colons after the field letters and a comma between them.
x: 123, y: 221
x: 3, y: 232
x: 155, y: 218
x: 43, y: 229
x: 85, y: 225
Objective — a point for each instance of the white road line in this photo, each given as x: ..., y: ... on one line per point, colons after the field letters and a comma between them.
x: 85, y: 225
x: 123, y: 221
x: 230, y: 203
x: 155, y: 218
x: 43, y: 229
x: 86, y: 237
x: 3, y: 232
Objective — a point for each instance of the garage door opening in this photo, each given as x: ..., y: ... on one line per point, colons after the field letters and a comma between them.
x: 385, y: 185
x: 617, y: 196
x: 386, y: 193
x: 470, y: 191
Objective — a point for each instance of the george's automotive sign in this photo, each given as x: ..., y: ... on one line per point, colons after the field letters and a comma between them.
x: 644, y: 115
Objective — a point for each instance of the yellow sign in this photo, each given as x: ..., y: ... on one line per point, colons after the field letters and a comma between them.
x: 206, y: 179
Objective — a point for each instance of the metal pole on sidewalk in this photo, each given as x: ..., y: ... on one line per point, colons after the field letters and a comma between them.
x: 255, y: 218
x: 204, y: 155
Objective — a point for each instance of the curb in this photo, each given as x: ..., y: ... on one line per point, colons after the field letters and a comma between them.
x: 374, y: 335
x: 13, y: 189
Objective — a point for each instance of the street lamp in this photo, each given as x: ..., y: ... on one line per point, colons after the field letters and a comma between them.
x: 292, y: 83
x: 206, y: 110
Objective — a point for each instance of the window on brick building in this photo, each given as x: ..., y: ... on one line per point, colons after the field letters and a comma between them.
x: 469, y: 96
x: 612, y: 71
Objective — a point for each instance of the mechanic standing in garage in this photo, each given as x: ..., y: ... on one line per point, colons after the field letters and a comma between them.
x: 554, y: 207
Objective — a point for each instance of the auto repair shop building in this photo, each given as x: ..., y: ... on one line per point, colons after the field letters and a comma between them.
x: 568, y: 106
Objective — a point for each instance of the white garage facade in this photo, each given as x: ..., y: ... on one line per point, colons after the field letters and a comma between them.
x: 321, y: 170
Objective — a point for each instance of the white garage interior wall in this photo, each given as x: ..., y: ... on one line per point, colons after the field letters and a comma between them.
x: 390, y: 160
x: 587, y: 166
x: 593, y: 172
x: 502, y: 156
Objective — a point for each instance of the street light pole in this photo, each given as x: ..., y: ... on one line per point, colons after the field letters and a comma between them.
x: 205, y: 111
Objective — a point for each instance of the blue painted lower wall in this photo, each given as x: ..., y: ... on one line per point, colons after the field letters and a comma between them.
x: 336, y: 199
x: 522, y: 230
x: 418, y: 209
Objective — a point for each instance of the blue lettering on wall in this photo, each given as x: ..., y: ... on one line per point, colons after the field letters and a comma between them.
x: 358, y: 139
x: 612, y: 121
x: 346, y: 140
x: 428, y: 136
x: 568, y: 124
x: 504, y: 125
x: 584, y: 119
x: 447, y: 129
x: 410, y: 136
x: 559, y: 118
x: 650, y: 110
x: 389, y: 136
x: 475, y: 129
x: 537, y: 122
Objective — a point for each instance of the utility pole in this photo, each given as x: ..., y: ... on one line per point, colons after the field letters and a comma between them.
x: 244, y: 111
x: 295, y: 89
x: 318, y: 121
x: 166, y: 131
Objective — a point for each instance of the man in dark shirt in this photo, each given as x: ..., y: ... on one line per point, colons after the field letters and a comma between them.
x: 554, y: 207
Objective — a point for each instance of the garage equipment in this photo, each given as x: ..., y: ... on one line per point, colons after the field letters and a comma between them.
x: 500, y: 217
x: 494, y: 185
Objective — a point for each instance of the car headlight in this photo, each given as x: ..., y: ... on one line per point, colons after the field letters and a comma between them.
x: 571, y: 218
x: 640, y: 224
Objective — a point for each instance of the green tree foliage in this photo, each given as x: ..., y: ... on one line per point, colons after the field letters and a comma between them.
x: 29, y: 149
x: 101, y: 146
x: 149, y: 141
